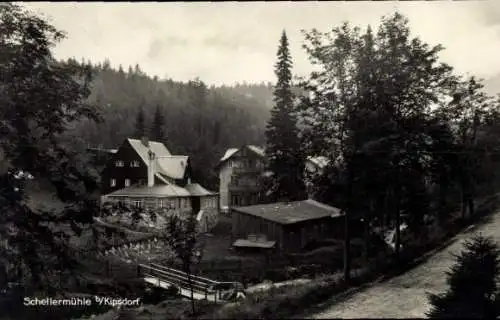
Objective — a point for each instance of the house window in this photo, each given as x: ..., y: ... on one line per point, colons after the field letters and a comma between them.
x: 186, y: 204
x: 119, y: 163
x: 161, y: 203
x: 112, y: 182
x: 137, y: 203
x: 179, y: 203
x: 127, y: 182
x: 234, y: 200
x: 134, y: 164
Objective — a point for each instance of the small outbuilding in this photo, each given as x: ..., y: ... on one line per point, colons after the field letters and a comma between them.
x: 285, y: 226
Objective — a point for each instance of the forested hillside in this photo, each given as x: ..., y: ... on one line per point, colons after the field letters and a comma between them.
x: 200, y: 121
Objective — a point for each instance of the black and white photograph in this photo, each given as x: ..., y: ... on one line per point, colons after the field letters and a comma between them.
x: 249, y: 160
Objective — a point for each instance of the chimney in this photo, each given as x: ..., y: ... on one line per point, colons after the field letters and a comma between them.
x: 151, y: 168
x: 145, y: 141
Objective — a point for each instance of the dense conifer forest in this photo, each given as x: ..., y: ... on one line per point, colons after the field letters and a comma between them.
x: 198, y: 120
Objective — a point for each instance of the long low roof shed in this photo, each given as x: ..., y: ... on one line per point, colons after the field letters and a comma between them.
x: 291, y: 212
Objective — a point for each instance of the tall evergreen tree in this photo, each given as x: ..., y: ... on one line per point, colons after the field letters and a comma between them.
x: 472, y: 283
x: 140, y: 126
x: 282, y: 145
x: 157, y: 128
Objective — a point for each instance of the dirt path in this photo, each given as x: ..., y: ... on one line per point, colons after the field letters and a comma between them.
x: 405, y: 296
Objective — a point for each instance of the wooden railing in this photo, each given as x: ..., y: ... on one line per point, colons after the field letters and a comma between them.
x: 178, y: 278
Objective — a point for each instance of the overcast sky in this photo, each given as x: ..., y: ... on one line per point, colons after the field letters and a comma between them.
x: 227, y: 42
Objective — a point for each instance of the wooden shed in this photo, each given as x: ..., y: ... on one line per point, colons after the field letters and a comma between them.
x: 290, y: 226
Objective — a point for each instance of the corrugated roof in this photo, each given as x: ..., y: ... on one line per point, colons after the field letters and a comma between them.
x: 166, y: 190
x: 291, y: 212
x: 172, y: 166
x: 157, y: 147
x: 195, y: 189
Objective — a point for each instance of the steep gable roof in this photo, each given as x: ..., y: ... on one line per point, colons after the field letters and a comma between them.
x: 229, y: 153
x: 172, y: 166
x: 157, y: 147
x: 233, y: 151
x: 256, y: 149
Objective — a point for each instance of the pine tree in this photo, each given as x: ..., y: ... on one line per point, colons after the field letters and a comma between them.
x: 282, y: 145
x: 140, y: 127
x: 472, y: 283
x: 157, y: 127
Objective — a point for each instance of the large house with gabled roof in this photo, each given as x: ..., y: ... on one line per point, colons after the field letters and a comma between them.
x: 144, y: 173
x: 240, y: 170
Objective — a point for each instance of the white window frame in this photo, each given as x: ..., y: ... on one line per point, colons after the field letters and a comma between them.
x: 127, y: 182
x: 134, y: 164
x: 161, y: 204
x: 112, y: 182
x: 137, y: 203
x: 119, y: 163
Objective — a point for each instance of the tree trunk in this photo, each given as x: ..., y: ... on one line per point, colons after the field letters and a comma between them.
x: 398, y: 230
x: 347, y: 233
x: 397, y: 197
x: 470, y: 203
x: 385, y: 220
x: 464, y: 204
x: 347, y: 249
x: 366, y: 236
x: 190, y: 282
x: 443, y: 192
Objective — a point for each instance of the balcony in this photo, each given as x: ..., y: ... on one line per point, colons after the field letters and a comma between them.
x: 243, y: 187
x: 247, y: 170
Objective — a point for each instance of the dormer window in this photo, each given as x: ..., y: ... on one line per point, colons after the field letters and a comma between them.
x: 119, y: 163
x: 134, y: 164
x: 127, y: 182
x: 112, y: 182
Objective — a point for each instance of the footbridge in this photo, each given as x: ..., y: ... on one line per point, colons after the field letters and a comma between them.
x: 203, y: 288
